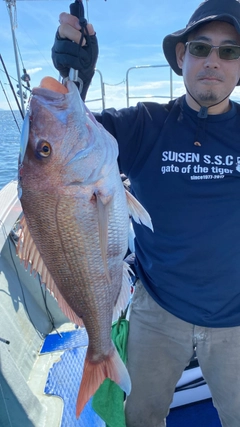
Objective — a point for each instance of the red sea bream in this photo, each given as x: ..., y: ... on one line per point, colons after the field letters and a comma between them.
x: 76, y: 220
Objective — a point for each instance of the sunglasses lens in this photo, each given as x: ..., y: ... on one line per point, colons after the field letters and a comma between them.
x: 229, y: 52
x: 202, y: 50
x: 199, y: 49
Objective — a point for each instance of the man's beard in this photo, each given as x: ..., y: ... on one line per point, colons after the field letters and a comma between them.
x: 208, y: 97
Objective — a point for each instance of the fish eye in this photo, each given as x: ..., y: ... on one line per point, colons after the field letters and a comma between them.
x: 43, y: 149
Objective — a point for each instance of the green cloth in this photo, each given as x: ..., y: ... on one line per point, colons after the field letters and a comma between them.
x: 108, y: 400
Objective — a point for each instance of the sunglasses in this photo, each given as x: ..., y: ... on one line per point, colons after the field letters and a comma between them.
x: 202, y: 50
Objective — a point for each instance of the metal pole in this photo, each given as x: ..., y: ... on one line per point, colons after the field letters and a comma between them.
x: 127, y: 85
x: 153, y: 96
x: 102, y: 88
x: 11, y: 3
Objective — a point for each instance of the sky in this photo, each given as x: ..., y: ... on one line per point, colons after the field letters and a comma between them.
x: 129, y: 32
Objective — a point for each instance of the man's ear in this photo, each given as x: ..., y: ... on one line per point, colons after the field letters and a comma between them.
x: 180, y: 52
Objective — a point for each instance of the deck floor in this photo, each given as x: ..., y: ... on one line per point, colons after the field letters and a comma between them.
x: 62, y: 358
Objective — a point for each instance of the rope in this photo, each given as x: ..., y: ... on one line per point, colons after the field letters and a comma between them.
x: 116, y: 84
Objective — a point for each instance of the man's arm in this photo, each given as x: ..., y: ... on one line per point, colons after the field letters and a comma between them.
x: 77, y: 48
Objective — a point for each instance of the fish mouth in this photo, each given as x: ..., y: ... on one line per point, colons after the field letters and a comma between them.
x: 57, y: 98
x: 48, y: 94
x: 53, y: 89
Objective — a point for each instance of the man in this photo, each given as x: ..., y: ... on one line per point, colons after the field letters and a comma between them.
x: 182, y: 160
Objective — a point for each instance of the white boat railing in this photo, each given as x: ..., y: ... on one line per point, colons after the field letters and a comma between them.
x: 138, y: 67
x: 126, y: 94
x: 102, y: 89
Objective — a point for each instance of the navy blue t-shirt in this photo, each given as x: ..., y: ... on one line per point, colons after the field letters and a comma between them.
x: 186, y: 172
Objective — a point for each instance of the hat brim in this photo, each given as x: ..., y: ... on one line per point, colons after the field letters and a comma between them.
x: 170, y: 42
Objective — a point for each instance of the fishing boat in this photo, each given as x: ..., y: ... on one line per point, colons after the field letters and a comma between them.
x: 42, y: 352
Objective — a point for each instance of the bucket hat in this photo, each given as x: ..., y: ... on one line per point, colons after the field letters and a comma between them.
x: 209, y: 10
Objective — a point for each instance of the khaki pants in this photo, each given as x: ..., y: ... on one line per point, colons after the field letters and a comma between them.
x: 160, y: 346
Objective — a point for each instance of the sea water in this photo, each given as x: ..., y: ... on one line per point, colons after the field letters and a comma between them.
x: 10, y: 132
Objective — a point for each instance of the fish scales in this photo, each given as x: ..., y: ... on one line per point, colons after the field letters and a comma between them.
x: 79, y: 260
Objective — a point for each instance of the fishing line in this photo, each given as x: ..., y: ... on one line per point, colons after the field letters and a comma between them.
x: 50, y: 316
x: 11, y: 86
x: 19, y: 52
x: 10, y: 106
x: 13, y: 78
x: 30, y: 38
x: 25, y: 77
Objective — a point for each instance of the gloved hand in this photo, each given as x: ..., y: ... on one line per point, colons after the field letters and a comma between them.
x: 76, y: 48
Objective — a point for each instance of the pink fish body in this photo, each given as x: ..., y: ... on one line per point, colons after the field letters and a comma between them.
x: 75, y: 225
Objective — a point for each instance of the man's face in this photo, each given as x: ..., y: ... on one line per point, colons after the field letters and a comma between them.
x: 210, y: 79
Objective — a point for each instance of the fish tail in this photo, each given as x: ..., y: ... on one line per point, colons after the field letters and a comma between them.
x: 94, y: 373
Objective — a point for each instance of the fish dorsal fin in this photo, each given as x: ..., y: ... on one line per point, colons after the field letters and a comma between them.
x: 103, y: 217
x: 137, y: 211
x: 125, y: 293
x: 28, y: 253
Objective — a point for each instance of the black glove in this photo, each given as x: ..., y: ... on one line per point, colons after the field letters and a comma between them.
x: 67, y: 54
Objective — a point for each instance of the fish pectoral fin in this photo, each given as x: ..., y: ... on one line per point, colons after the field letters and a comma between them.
x: 137, y: 211
x: 103, y: 205
x: 124, y: 294
x: 95, y: 373
x: 28, y: 253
